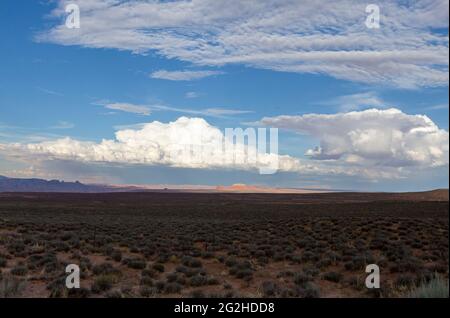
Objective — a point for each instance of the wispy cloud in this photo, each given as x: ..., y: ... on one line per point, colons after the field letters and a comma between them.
x: 359, y: 101
x: 136, y: 126
x: 437, y: 107
x: 191, y: 95
x: 409, y: 50
x: 126, y: 107
x: 16, y: 133
x: 183, y: 75
x: 209, y: 112
x: 49, y: 92
x: 225, y: 112
x: 148, y: 109
x: 63, y: 125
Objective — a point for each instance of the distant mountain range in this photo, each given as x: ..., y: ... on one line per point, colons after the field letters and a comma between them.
x: 41, y: 185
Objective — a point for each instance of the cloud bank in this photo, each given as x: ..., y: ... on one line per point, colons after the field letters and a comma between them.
x: 409, y: 50
x: 372, y: 144
x: 184, y: 143
x: 371, y: 138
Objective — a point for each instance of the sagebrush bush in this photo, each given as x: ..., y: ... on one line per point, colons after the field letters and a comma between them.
x: 137, y: 263
x: 78, y: 293
x: 198, y: 293
x: 149, y: 272
x: 11, y: 286
x: 301, y: 278
x: 198, y: 280
x: 269, y: 288
x: 213, y: 281
x: 147, y: 291
x: 172, y: 288
x: 191, y: 262
x: 314, y: 245
x: 116, y: 255
x: 147, y: 281
x: 333, y: 277
x: 114, y: 294
x: 172, y: 277
x: 158, y: 267
x: 103, y: 283
x: 19, y: 270
x: 311, y: 290
x: 104, y: 268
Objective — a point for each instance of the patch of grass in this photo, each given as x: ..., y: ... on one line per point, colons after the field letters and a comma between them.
x: 435, y: 288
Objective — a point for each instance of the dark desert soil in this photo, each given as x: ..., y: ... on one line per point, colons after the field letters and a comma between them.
x: 222, y: 245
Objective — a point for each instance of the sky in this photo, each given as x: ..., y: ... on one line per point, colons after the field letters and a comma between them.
x: 357, y: 107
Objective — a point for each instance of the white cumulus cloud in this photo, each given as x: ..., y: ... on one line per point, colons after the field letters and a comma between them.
x: 371, y: 144
x: 186, y: 143
x: 371, y: 138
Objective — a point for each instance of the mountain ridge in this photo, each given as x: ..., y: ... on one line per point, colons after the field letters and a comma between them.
x: 30, y: 185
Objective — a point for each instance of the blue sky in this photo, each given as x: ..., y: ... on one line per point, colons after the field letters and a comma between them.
x: 56, y: 83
